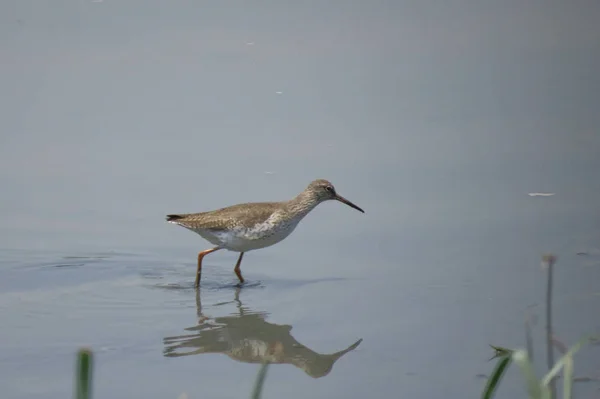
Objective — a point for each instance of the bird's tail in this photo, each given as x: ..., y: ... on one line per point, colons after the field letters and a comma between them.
x: 173, y: 218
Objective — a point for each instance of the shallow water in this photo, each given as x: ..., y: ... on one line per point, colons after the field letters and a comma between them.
x: 154, y: 335
x: 124, y: 112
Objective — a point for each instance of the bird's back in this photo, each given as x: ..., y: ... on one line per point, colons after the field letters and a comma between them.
x: 242, y: 215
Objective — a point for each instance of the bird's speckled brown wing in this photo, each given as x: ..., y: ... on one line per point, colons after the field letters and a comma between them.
x: 246, y: 215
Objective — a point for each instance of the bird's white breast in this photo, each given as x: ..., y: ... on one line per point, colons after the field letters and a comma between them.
x: 261, y: 235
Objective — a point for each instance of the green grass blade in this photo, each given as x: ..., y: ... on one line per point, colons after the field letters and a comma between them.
x: 83, y: 378
x: 568, y: 382
x: 492, y: 382
x: 260, y: 380
x: 500, y: 351
x: 558, y: 365
x: 533, y: 385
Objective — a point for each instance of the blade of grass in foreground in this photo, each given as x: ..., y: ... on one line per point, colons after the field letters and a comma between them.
x: 492, y: 382
x: 83, y: 378
x: 534, y: 388
x: 260, y: 380
x: 566, y: 358
x: 568, y: 383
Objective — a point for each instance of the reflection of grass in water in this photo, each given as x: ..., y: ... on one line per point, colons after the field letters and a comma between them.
x: 543, y: 388
x: 260, y: 381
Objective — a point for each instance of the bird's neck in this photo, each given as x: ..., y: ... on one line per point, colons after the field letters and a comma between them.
x: 302, y: 204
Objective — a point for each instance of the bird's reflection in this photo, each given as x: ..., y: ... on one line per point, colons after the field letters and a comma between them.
x: 248, y: 337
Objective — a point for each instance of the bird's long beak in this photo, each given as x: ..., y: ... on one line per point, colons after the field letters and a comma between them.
x: 345, y: 201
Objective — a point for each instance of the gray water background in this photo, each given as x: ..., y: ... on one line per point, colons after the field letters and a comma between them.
x: 437, y: 118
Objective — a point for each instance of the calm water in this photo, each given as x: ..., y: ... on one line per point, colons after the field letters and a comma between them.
x: 438, y: 121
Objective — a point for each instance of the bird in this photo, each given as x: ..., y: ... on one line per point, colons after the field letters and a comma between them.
x: 254, y: 225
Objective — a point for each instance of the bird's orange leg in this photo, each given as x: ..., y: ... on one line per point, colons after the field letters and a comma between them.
x: 199, y: 271
x: 237, y: 268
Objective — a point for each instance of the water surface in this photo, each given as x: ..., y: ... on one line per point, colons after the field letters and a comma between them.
x: 438, y: 121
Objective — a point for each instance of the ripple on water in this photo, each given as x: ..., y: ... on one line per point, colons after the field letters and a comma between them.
x: 181, y: 277
x: 208, y: 285
x: 25, y: 260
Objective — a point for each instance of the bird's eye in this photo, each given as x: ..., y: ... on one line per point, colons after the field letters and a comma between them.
x: 329, y: 188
